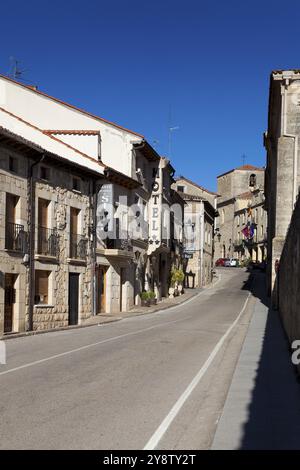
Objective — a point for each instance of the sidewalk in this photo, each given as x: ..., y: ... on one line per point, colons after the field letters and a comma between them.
x: 109, y: 318
x: 262, y: 408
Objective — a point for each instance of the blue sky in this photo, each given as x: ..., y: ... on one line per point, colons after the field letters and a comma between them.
x: 205, y: 64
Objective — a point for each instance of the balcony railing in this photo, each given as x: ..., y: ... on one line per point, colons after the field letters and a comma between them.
x: 48, y: 239
x: 78, y: 246
x: 118, y: 244
x: 15, y: 237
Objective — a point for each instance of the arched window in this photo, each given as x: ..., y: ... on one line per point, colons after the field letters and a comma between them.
x: 252, y: 180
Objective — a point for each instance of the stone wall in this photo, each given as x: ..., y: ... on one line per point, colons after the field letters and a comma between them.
x: 288, y: 278
x: 14, y: 183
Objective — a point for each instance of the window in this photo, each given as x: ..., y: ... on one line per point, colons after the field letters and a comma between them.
x: 76, y: 183
x: 45, y: 173
x: 41, y: 294
x: 13, y: 164
x: 180, y: 188
x: 222, y: 216
x: 252, y: 180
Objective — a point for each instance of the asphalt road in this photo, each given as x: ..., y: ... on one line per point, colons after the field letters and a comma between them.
x: 156, y: 380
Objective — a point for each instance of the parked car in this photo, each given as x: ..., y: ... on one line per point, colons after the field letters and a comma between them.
x: 231, y: 263
x: 220, y: 262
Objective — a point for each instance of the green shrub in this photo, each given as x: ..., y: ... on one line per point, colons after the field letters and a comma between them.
x: 177, y: 276
x: 151, y: 295
x: 148, y: 295
x: 145, y: 296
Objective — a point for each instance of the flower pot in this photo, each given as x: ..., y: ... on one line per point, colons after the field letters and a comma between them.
x: 171, y: 292
x: 145, y: 303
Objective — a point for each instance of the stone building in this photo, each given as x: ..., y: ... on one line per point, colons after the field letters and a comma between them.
x: 46, y: 247
x: 129, y: 204
x: 199, y: 220
x: 249, y: 211
x: 232, y: 187
x: 283, y: 164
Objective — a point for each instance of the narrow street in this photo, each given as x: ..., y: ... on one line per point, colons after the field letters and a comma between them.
x: 113, y: 386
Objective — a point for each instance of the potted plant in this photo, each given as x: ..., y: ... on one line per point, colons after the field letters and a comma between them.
x: 152, y: 297
x: 176, y: 280
x: 145, y: 300
x: 180, y: 279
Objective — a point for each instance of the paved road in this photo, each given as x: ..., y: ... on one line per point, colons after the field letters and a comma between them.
x: 114, y: 386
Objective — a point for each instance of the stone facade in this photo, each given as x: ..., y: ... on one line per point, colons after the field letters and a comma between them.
x: 283, y: 165
x: 288, y: 279
x: 118, y: 164
x: 199, y: 219
x: 232, y: 185
x: 249, y: 209
x: 52, y: 244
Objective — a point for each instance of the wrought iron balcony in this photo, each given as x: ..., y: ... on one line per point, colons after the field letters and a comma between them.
x: 15, y: 237
x: 118, y: 244
x: 78, y: 246
x: 48, y: 241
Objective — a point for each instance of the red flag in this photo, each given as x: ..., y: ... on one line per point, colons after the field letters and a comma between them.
x: 245, y: 231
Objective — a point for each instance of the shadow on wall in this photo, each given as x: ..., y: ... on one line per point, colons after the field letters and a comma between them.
x: 273, y: 420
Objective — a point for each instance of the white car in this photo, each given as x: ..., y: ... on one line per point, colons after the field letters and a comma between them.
x: 231, y: 263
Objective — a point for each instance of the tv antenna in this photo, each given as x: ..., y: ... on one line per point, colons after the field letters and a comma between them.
x: 171, y: 129
x: 15, y: 70
x: 243, y: 159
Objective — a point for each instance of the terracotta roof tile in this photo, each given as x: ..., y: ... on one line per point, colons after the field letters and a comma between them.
x: 71, y: 132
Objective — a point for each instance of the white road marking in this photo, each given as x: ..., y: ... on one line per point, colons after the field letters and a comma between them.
x: 66, y: 353
x: 163, y: 427
x: 81, y: 348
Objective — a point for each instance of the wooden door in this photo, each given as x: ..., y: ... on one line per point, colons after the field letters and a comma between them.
x: 9, y: 301
x: 122, y: 283
x: 11, y: 202
x: 101, y: 289
x: 73, y: 298
x: 43, y: 213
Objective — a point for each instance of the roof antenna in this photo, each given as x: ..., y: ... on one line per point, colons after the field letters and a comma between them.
x: 170, y: 130
x: 243, y: 159
x: 15, y: 71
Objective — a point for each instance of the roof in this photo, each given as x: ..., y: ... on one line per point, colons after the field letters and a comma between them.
x: 71, y: 132
x: 246, y: 195
x: 242, y: 168
x: 34, y: 90
x: 277, y: 72
x: 191, y: 197
x: 40, y: 131
x: 147, y: 150
x: 197, y: 185
x: 21, y: 144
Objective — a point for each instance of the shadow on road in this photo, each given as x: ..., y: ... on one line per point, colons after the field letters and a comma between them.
x: 273, y: 420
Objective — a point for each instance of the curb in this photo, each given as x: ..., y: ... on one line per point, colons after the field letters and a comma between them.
x: 109, y: 320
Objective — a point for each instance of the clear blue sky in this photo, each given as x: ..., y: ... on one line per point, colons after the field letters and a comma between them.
x: 130, y: 61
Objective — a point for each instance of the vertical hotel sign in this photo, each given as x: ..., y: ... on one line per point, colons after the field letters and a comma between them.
x: 155, y: 210
x: 105, y: 212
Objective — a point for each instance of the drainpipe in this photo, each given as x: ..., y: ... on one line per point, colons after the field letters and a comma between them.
x: 31, y: 236
x: 93, y: 235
